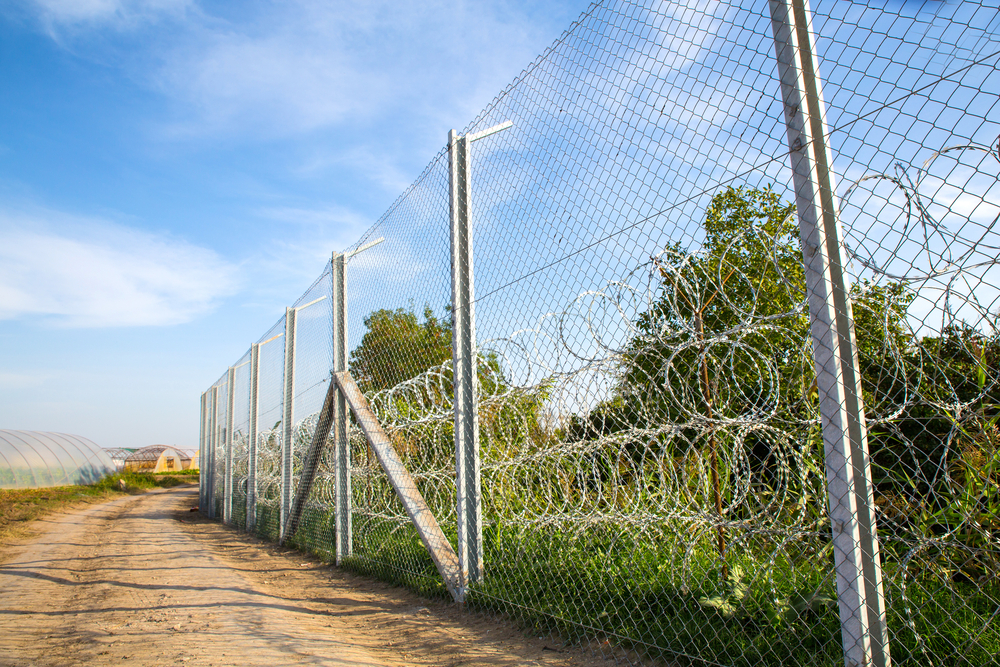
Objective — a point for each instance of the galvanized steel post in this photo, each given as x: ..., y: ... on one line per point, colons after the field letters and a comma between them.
x: 403, y: 484
x: 855, y: 544
x: 213, y: 444
x: 251, y: 520
x: 465, y: 359
x: 227, y: 486
x: 201, y: 453
x: 464, y: 362
x: 287, y: 446
x: 344, y: 538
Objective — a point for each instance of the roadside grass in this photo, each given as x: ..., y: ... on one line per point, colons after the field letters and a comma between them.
x: 19, y: 507
x: 667, y: 595
x: 775, y: 607
x: 395, y: 554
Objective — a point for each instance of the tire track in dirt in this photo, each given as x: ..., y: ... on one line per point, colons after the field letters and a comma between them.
x: 119, y: 583
x: 141, y: 581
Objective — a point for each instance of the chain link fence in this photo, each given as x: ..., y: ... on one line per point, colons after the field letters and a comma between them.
x: 722, y: 383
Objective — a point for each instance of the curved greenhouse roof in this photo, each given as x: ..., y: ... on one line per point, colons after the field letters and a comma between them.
x: 118, y: 455
x: 159, y: 458
x: 38, y: 459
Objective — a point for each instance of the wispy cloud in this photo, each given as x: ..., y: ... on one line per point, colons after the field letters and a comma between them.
x: 122, y: 13
x: 295, y: 255
x: 298, y: 66
x: 308, y: 65
x: 282, y: 83
x: 74, y: 272
x: 378, y: 165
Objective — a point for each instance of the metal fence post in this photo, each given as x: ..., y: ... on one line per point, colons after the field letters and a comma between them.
x: 465, y: 359
x: 209, y: 452
x: 227, y: 484
x: 201, y: 454
x: 251, y: 522
x: 287, y: 446
x: 213, y: 443
x: 838, y: 379
x: 469, y: 514
x: 344, y: 538
x: 218, y: 466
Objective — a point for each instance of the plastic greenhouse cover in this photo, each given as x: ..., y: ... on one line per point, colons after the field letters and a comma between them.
x: 38, y: 459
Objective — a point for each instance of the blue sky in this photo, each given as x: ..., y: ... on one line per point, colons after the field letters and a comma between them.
x: 173, y: 173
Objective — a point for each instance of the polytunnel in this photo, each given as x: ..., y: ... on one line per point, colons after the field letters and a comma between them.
x: 160, y: 458
x: 38, y: 459
x: 118, y: 456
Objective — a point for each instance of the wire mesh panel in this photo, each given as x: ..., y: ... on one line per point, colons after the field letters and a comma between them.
x: 313, y: 358
x: 241, y: 440
x: 400, y: 336
x: 649, y: 446
x: 656, y: 444
x: 219, y: 445
x: 270, y: 397
x: 914, y: 122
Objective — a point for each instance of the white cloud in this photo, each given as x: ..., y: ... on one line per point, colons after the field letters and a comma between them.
x: 374, y: 164
x: 297, y: 80
x: 296, y: 255
x: 119, y: 12
x: 97, y: 274
x: 321, y: 231
x: 285, y: 68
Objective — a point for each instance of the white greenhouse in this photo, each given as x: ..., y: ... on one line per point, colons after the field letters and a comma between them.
x: 38, y: 459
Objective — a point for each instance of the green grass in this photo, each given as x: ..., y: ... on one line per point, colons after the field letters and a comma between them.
x: 583, y: 586
x: 665, y: 594
x: 605, y: 584
x: 776, y: 607
x: 394, y: 553
x: 131, y: 482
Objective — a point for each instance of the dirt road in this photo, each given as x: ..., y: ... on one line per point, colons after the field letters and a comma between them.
x: 141, y: 581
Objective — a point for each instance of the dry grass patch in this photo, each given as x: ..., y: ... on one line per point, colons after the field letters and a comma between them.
x: 19, y: 507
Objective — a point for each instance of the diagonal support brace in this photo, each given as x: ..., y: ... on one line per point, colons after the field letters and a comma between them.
x: 406, y: 489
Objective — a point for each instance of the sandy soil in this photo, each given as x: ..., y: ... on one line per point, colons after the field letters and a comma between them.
x: 140, y: 580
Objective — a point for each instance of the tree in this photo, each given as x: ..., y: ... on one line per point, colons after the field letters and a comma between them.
x: 723, y: 343
x: 721, y: 366
x: 733, y: 307
x: 397, y: 347
x: 936, y: 458
x: 726, y: 346
x: 728, y: 336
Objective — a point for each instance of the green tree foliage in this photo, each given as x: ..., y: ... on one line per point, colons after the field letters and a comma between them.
x: 727, y: 336
x: 936, y: 458
x: 744, y: 286
x: 397, y: 346
x: 727, y: 340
